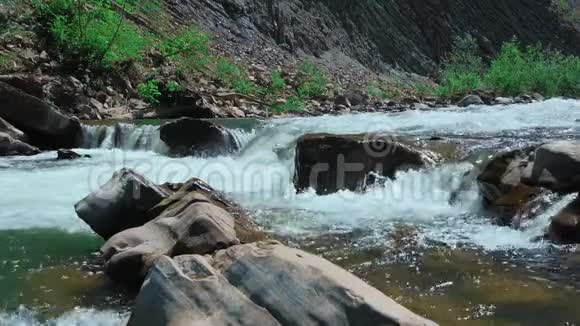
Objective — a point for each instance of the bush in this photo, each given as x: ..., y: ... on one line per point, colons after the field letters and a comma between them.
x: 190, y: 48
x: 92, y: 32
x: 516, y: 71
x: 149, y: 91
x: 277, y: 82
x: 173, y: 87
x: 293, y: 103
x: 461, y: 72
x: 235, y: 77
x: 314, y: 81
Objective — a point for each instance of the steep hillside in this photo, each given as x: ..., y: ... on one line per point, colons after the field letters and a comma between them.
x: 413, y: 35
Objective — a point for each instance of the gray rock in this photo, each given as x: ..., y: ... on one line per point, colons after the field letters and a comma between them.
x: 119, y: 204
x: 67, y: 154
x: 329, y: 163
x: 46, y: 127
x: 342, y: 100
x: 557, y: 167
x: 198, y: 228
x: 565, y: 226
x: 504, y: 100
x: 262, y: 283
x: 188, y: 136
x: 10, y: 146
x: 470, y: 100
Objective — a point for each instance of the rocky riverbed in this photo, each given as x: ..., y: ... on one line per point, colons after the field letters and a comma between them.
x: 429, y: 235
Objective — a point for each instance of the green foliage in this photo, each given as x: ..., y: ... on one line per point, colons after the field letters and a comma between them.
x: 93, y: 32
x: 293, y: 103
x: 461, y: 71
x: 314, y: 81
x: 516, y: 71
x: 173, y: 87
x: 277, y: 82
x: 374, y: 90
x: 190, y: 48
x: 235, y: 77
x: 149, y: 91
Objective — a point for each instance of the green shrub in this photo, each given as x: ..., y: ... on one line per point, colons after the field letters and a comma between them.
x: 293, y: 103
x: 461, y: 72
x: 149, y: 91
x: 190, y: 48
x: 277, y: 82
x: 516, y: 71
x: 314, y: 82
x: 173, y: 87
x: 235, y: 77
x: 93, y: 32
x: 375, y: 91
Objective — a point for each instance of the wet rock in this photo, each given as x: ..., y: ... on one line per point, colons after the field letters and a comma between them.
x: 500, y: 183
x: 188, y: 136
x: 470, y: 100
x: 565, y: 226
x: 263, y: 283
x: 504, y: 100
x: 119, y: 204
x: 67, y: 154
x: 342, y: 100
x: 46, y: 127
x: 7, y: 128
x: 329, y: 163
x: 557, y: 167
x: 537, y: 97
x: 10, y: 146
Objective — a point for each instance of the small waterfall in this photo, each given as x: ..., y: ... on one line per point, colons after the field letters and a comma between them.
x: 141, y: 138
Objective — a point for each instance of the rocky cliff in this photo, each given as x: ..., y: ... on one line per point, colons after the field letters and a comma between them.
x: 413, y: 34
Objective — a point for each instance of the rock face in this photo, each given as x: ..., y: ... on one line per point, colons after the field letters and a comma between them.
x: 328, y: 163
x: 500, y: 182
x: 46, y: 127
x: 565, y: 226
x: 263, y: 283
x: 7, y: 128
x: 414, y: 34
x: 10, y: 146
x: 557, y: 167
x: 119, y: 204
x: 188, y: 136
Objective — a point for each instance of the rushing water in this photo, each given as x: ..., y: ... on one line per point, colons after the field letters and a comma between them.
x: 448, y: 262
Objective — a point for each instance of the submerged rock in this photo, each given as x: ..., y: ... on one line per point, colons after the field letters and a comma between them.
x: 10, y: 146
x: 188, y: 136
x: 329, y: 163
x: 263, y: 283
x: 67, y: 154
x: 120, y: 204
x: 557, y: 167
x: 565, y: 226
x: 46, y: 127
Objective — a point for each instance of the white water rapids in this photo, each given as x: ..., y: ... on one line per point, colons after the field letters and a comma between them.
x: 39, y: 192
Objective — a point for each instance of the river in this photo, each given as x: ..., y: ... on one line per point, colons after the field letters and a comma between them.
x: 447, y: 262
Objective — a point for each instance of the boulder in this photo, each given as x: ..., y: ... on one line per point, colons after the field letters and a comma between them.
x: 46, y: 127
x: 10, y: 146
x: 195, y: 219
x: 557, y: 167
x: 188, y: 136
x: 197, y: 228
x: 67, y: 154
x: 329, y: 163
x: 500, y: 183
x: 120, y: 204
x: 565, y: 226
x: 262, y: 283
x: 470, y: 100
x: 7, y: 128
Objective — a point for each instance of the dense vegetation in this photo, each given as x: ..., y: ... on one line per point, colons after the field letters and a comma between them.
x: 516, y: 70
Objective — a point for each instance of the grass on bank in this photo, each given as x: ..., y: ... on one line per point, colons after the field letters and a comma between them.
x: 516, y: 70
